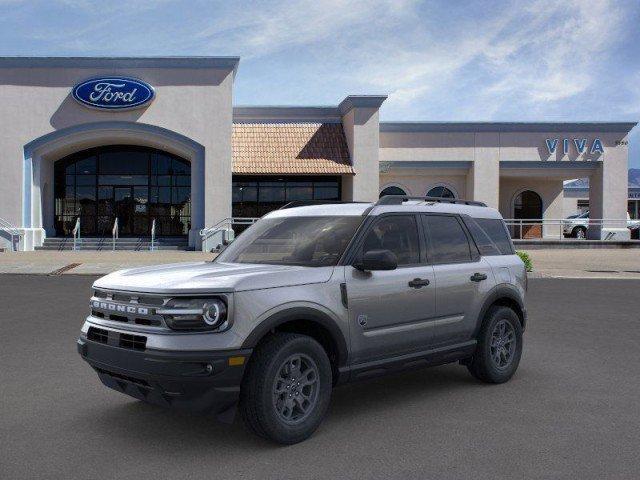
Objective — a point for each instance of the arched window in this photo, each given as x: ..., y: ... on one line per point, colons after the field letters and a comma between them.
x: 441, y: 192
x: 392, y: 190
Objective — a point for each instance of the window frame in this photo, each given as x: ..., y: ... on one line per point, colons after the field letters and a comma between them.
x: 474, y: 253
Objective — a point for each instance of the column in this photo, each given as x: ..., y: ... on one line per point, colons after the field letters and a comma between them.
x: 360, y: 120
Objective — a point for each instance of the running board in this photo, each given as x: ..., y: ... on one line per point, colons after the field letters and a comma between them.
x: 425, y: 358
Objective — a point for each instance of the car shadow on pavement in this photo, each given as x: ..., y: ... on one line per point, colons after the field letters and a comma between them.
x: 139, y: 421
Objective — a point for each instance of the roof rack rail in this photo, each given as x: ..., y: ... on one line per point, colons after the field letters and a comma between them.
x: 399, y: 199
x: 306, y: 203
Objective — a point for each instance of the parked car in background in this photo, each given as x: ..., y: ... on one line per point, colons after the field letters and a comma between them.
x: 576, y: 225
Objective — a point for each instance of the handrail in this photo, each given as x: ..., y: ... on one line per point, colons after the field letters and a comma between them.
x: 562, y: 227
x: 114, y: 233
x: 225, y: 228
x: 13, y: 232
x: 153, y: 235
x: 207, y: 232
x: 76, y: 234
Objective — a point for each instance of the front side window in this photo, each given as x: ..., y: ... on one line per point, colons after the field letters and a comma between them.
x: 397, y: 233
x: 304, y: 241
x: 447, y: 241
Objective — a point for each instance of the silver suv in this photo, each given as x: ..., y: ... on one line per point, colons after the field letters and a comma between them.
x: 308, y: 298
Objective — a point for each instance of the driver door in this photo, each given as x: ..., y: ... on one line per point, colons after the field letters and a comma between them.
x: 387, y: 315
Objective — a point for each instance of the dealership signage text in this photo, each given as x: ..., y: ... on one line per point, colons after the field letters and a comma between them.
x: 113, y: 93
x: 580, y: 144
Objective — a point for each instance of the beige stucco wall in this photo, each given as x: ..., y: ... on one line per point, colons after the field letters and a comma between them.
x: 419, y: 183
x: 192, y: 102
x: 361, y: 127
x: 550, y: 191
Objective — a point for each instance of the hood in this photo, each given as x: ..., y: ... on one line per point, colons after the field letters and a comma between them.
x: 200, y: 277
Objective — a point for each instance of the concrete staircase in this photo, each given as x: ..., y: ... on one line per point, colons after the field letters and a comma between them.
x: 131, y: 244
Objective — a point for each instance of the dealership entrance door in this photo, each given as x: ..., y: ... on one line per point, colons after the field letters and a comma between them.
x: 135, y: 185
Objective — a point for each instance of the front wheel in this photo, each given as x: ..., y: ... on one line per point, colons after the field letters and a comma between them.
x: 286, y: 391
x: 499, y: 347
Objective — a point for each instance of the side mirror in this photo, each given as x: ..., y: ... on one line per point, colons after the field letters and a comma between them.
x: 377, y: 260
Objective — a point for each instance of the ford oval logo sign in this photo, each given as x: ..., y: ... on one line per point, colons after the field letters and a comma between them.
x: 113, y: 93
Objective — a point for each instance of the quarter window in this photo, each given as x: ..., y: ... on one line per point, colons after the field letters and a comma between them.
x: 447, y: 241
x: 495, y: 232
x: 397, y: 233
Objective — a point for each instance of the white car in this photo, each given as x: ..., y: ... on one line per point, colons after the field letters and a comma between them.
x: 576, y: 225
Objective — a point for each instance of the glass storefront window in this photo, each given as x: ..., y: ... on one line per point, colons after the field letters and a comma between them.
x: 133, y: 184
x: 257, y: 196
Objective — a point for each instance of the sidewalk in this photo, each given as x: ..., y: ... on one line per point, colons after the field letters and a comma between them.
x: 585, y: 263
x: 550, y: 263
x: 91, y: 262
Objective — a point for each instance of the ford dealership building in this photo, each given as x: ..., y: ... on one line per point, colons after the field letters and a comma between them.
x: 159, y: 141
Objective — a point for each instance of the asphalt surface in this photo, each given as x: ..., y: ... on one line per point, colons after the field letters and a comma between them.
x: 571, y: 411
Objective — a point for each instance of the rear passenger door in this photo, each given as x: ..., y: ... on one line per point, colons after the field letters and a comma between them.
x: 462, y: 277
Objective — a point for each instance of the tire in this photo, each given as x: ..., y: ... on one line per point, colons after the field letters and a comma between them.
x: 486, y: 363
x: 275, y: 403
x: 580, y: 233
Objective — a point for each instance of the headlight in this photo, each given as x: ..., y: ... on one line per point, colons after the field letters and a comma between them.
x: 195, y: 314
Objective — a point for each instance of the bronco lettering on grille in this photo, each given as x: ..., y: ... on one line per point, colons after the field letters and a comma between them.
x: 116, y: 307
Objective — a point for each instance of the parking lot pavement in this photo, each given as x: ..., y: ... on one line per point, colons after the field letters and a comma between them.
x: 571, y: 411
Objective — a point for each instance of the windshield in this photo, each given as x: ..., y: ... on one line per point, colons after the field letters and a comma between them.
x: 305, y: 241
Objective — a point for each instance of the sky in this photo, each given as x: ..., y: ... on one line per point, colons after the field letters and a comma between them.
x: 441, y: 60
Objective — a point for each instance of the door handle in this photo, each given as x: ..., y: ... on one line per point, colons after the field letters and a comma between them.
x: 478, y: 277
x: 418, y: 282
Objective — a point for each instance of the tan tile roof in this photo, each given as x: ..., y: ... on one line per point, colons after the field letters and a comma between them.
x: 290, y: 148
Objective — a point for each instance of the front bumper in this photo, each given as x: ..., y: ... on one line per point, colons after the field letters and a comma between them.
x: 203, y: 382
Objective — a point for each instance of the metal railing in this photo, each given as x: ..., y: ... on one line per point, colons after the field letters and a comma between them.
x: 222, y: 233
x: 76, y: 235
x: 153, y: 235
x: 114, y: 234
x: 13, y: 232
x: 563, y: 228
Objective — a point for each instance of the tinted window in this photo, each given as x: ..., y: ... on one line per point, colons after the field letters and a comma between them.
x: 446, y: 240
x: 496, y: 232
x: 306, y: 241
x: 397, y: 233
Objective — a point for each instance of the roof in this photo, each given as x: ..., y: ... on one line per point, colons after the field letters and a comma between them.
x: 290, y: 148
x: 218, y: 62
x: 543, y: 127
x: 583, y: 183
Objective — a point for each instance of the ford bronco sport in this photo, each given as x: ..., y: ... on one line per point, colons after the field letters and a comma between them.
x: 308, y: 298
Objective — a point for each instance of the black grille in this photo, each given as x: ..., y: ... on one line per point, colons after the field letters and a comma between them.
x: 98, y: 335
x: 133, y: 342
x: 126, y: 378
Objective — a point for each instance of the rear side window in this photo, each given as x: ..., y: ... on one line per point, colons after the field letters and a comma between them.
x: 490, y: 236
x: 446, y: 240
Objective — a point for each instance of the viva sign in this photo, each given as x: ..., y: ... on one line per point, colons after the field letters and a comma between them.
x: 579, y: 143
x: 113, y: 93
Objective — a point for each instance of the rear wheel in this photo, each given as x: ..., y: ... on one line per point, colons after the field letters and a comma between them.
x: 580, y: 233
x: 286, y: 391
x: 499, y: 346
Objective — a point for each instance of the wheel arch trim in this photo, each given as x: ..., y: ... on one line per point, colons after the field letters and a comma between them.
x: 296, y: 314
x: 499, y: 292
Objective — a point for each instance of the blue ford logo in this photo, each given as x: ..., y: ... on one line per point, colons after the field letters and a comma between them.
x: 113, y: 93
